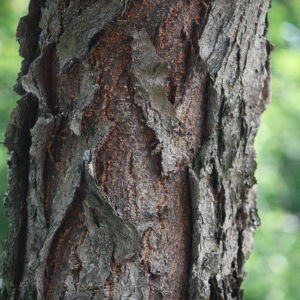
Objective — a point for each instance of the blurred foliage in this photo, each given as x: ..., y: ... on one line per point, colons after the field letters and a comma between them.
x: 10, y: 12
x: 274, y: 266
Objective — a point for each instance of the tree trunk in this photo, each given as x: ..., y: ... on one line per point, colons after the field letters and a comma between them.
x: 132, y: 162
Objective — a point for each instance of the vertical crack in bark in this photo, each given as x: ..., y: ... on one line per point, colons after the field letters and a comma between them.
x: 18, y: 141
x: 206, y: 126
x: 49, y: 73
x: 219, y: 202
x: 215, y: 291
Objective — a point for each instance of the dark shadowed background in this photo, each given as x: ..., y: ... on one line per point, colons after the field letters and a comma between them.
x: 274, y: 266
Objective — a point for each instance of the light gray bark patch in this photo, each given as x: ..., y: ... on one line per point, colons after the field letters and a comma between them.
x: 132, y: 283
x: 233, y: 47
x: 204, y: 243
x: 30, y: 83
x: 86, y: 95
x: 41, y: 134
x: 50, y: 22
x: 214, y: 40
x: 75, y: 40
x: 152, y: 74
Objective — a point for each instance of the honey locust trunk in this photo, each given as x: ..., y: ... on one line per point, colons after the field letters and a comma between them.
x: 131, y: 149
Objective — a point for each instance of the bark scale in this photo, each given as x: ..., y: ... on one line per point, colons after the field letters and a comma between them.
x: 132, y: 162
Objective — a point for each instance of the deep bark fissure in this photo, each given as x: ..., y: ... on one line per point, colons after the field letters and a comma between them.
x: 49, y: 66
x: 18, y: 141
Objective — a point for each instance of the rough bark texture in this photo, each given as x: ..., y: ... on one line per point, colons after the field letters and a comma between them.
x: 132, y: 161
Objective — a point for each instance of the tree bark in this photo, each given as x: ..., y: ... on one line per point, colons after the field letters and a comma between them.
x: 131, y: 149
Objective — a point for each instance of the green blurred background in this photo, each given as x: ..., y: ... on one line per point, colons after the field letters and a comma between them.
x: 274, y: 266
x: 10, y: 62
